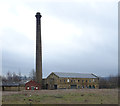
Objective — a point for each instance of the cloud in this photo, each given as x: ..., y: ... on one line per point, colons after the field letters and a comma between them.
x: 76, y: 36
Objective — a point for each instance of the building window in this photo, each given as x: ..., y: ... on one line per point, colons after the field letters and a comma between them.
x: 71, y: 80
x: 64, y: 80
x: 82, y: 86
x: 60, y: 81
x: 28, y: 87
x: 93, y: 86
x: 67, y: 80
x: 93, y: 80
x: 86, y: 80
x: 89, y: 80
x: 82, y: 80
x: 36, y: 87
x: 86, y: 86
x: 78, y: 80
x: 89, y: 86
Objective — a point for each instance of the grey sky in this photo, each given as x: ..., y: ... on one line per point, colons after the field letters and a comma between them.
x: 76, y: 36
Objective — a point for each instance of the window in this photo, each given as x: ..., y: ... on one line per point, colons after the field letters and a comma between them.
x: 86, y: 80
x: 67, y: 80
x: 60, y: 80
x: 28, y: 87
x: 93, y: 80
x: 89, y: 80
x: 86, y: 86
x: 64, y: 80
x: 82, y: 86
x: 82, y: 80
x: 93, y: 86
x: 78, y: 80
x: 89, y: 86
x: 71, y: 80
x: 36, y: 87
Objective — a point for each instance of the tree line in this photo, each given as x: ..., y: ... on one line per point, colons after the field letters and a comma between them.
x: 104, y: 82
x: 14, y: 77
x: 109, y: 82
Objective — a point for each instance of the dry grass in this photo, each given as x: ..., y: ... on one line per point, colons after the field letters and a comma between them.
x: 68, y: 96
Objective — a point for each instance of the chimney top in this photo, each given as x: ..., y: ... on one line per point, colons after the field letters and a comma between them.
x: 38, y: 15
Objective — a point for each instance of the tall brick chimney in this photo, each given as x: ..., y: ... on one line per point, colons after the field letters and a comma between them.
x: 38, y: 49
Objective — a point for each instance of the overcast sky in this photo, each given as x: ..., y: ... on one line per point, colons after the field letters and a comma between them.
x: 77, y: 36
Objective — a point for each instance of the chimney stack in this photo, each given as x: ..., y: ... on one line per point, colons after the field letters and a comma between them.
x: 38, y: 49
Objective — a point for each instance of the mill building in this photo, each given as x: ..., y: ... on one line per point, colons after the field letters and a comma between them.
x: 63, y: 80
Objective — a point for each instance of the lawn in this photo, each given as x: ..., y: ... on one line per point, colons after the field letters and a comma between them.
x: 72, y: 96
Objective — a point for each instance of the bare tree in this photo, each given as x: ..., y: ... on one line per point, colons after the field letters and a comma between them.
x: 113, y: 81
x: 4, y: 79
x: 15, y: 77
x: 9, y: 76
x: 32, y: 74
x: 19, y: 75
x: 109, y: 82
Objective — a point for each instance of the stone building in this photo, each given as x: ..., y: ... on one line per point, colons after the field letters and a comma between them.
x: 61, y: 80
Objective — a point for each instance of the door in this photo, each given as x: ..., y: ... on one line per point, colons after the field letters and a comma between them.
x: 55, y: 86
x: 32, y: 87
x: 46, y: 86
x: 93, y: 86
x: 73, y: 86
x: 90, y: 86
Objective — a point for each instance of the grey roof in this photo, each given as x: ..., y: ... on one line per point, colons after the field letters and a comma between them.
x: 10, y: 84
x: 74, y: 75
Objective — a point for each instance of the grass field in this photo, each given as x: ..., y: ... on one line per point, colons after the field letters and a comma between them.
x: 71, y: 96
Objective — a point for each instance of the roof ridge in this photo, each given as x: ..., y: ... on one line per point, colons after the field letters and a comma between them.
x: 77, y: 75
x: 72, y: 72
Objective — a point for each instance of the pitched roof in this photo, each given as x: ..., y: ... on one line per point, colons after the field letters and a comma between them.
x: 74, y: 75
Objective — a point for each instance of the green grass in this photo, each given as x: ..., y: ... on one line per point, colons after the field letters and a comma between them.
x: 65, y: 97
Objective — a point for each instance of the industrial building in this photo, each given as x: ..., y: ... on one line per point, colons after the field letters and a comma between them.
x: 62, y: 80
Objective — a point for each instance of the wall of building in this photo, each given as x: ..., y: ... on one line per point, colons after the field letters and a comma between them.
x: 32, y: 85
x: 11, y: 88
x: 78, y: 83
x: 53, y: 82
